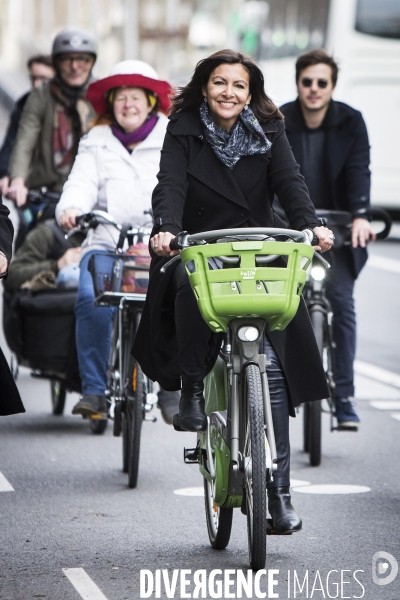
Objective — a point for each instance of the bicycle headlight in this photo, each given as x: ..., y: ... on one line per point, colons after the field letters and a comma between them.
x: 318, y: 273
x: 248, y: 334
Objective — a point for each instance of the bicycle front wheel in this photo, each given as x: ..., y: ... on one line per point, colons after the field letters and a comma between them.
x: 136, y: 390
x: 254, y: 467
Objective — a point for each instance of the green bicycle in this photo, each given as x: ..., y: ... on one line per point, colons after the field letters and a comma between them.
x: 237, y: 294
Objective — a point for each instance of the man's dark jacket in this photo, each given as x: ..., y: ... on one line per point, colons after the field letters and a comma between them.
x: 5, y: 151
x: 10, y: 401
x: 346, y: 159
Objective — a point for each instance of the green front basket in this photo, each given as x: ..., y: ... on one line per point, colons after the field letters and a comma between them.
x: 245, y: 289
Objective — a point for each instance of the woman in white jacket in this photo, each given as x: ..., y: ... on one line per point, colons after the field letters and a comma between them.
x: 115, y: 170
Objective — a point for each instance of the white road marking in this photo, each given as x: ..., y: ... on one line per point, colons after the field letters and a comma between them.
x: 332, y: 488
x: 373, y: 372
x: 192, y: 491
x: 384, y: 263
x: 5, y: 486
x: 386, y: 404
x: 396, y: 416
x: 85, y: 587
x: 294, y: 483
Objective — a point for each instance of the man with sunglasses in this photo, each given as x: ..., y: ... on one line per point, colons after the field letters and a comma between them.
x: 55, y: 117
x: 330, y: 142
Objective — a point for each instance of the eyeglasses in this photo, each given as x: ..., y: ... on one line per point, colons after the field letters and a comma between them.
x: 81, y: 59
x: 307, y: 82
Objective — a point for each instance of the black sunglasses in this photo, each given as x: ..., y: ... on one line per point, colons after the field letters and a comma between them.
x: 307, y: 82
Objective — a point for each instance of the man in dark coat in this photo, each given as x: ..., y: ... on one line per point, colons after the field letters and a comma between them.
x: 10, y: 401
x: 40, y: 67
x: 330, y: 142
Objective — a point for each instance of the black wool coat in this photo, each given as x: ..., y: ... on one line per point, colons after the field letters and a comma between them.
x: 346, y: 161
x: 10, y: 400
x: 197, y: 192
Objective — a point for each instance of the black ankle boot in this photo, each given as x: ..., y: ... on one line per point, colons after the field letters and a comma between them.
x: 191, y: 415
x: 284, y: 518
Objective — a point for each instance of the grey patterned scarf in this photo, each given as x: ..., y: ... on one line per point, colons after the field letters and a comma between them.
x: 245, y: 138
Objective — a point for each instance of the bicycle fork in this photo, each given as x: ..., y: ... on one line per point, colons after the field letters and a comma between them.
x: 247, y: 338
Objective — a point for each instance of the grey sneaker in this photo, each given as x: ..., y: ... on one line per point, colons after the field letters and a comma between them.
x: 91, y: 405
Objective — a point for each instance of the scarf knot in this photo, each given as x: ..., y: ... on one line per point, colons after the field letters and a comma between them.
x: 245, y: 138
x: 134, y: 137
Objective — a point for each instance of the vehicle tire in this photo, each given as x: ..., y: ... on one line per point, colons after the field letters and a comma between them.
x: 219, y: 520
x: 314, y: 408
x: 98, y: 426
x: 306, y: 444
x: 58, y: 396
x: 254, y: 466
x: 117, y: 425
x: 135, y: 399
x: 136, y: 419
x: 125, y: 442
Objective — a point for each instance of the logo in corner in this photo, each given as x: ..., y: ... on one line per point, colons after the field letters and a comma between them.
x: 384, y: 568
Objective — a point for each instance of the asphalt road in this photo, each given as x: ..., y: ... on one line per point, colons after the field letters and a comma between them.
x: 70, y: 507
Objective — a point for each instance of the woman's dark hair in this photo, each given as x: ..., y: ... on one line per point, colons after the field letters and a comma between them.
x: 190, y: 97
x: 316, y: 57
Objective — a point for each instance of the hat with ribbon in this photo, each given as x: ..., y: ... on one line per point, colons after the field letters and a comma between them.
x: 129, y: 73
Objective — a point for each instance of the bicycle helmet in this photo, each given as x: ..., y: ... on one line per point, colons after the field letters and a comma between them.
x: 77, y: 41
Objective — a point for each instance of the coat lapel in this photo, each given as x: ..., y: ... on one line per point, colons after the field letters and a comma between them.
x: 215, y: 175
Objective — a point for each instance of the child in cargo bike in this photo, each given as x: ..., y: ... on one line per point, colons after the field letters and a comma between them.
x: 115, y: 170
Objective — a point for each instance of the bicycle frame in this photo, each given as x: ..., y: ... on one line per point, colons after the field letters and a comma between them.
x: 237, y: 453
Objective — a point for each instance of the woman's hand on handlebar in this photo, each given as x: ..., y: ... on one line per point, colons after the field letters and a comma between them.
x: 361, y: 233
x: 325, y: 238
x: 67, y: 218
x: 160, y: 244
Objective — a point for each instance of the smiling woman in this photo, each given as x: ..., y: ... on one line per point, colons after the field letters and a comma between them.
x: 225, y: 155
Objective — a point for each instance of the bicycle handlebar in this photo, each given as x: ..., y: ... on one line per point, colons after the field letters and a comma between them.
x: 184, y: 240
x: 378, y: 214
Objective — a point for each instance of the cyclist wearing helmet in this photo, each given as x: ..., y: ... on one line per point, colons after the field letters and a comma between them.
x: 55, y: 117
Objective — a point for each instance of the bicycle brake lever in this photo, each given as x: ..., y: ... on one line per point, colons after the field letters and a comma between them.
x: 323, y: 260
x: 169, y: 263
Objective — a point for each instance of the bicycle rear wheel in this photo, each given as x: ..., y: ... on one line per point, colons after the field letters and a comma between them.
x: 254, y: 467
x: 219, y: 520
x: 58, y: 396
x: 313, y: 411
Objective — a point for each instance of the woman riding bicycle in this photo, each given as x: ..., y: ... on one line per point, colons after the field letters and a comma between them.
x: 224, y: 157
x: 115, y: 171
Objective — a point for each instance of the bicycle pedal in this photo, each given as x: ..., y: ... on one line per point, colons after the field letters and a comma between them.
x: 100, y: 416
x: 151, y: 419
x: 272, y: 531
x: 191, y: 456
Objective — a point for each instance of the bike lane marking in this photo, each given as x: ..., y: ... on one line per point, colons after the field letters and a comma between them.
x: 377, y: 373
x: 5, y: 485
x: 85, y: 586
x: 384, y: 263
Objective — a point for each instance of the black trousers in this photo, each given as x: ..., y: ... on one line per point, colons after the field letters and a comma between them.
x: 193, y: 335
x: 340, y: 282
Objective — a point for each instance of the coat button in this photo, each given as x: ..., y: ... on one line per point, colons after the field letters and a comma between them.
x: 200, y: 211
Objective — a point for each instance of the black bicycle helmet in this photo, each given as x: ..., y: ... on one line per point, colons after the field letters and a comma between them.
x: 74, y: 40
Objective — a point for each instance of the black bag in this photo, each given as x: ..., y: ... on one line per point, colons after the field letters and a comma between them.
x: 40, y: 330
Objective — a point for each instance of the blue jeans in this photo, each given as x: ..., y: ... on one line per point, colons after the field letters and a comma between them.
x: 93, y: 333
x: 339, y: 290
